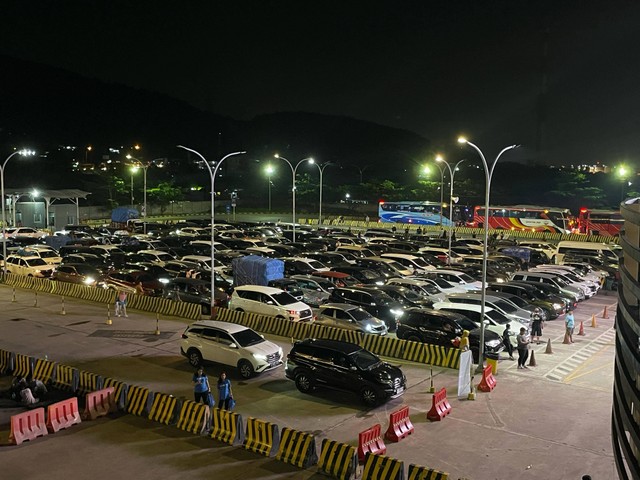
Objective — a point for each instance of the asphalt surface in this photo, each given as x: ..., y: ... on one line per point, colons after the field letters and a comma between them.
x: 550, y: 421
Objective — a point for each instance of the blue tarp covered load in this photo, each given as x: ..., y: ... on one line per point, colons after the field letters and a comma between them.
x: 256, y: 270
x: 517, y: 252
x: 122, y: 214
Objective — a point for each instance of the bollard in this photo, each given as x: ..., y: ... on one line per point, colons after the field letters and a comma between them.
x: 13, y: 294
x: 35, y: 304
x: 431, y: 387
x: 63, y: 312
x: 109, y: 322
x: 472, y: 392
x: 157, y: 332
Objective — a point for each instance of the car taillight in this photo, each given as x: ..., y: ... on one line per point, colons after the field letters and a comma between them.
x: 292, y: 312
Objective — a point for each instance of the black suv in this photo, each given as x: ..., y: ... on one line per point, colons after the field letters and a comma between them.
x: 343, y: 366
x: 374, y: 301
x: 438, y: 327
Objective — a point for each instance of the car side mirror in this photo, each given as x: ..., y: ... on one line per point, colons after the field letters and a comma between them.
x: 269, y: 302
x: 353, y: 368
x: 233, y: 345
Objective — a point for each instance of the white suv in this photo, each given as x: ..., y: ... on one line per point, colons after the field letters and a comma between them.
x: 31, y: 266
x: 229, y: 344
x: 269, y: 301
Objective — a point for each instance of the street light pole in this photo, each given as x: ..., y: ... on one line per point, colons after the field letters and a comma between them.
x: 212, y: 174
x: 321, y: 170
x: 24, y: 153
x: 269, y: 171
x: 452, y: 173
x: 293, y: 189
x: 488, y: 173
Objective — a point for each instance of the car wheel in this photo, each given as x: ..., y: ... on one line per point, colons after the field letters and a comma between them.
x: 195, y: 357
x: 304, y: 382
x: 370, y: 396
x: 239, y: 310
x: 280, y: 317
x: 245, y: 368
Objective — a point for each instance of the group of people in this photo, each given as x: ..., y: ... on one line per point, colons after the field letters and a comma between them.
x: 202, y: 390
x: 523, y: 339
x: 27, y: 392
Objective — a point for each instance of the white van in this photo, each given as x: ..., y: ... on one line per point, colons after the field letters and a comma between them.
x: 610, y: 251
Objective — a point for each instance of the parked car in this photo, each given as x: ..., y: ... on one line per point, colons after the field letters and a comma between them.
x: 350, y: 317
x: 28, y: 265
x: 374, y: 301
x: 78, y: 273
x: 24, y: 232
x: 406, y: 296
x: 343, y: 366
x: 269, y: 301
x: 443, y: 328
x: 128, y: 279
x: 362, y: 275
x: 46, y: 253
x: 315, y: 290
x: 288, y: 285
x: 196, y: 291
x: 229, y: 344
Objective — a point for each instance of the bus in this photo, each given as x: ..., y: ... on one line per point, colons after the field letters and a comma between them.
x: 418, y: 213
x: 600, y: 222
x: 526, y: 217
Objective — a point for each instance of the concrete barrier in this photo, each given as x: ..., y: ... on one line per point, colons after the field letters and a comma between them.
x: 63, y: 415
x: 27, y: 426
x: 380, y: 467
x: 338, y: 460
x: 417, y: 472
x: 43, y: 370
x: 163, y: 408
x: 137, y: 400
x: 297, y: 448
x: 227, y: 427
x: 7, y: 361
x: 194, y: 417
x: 99, y: 403
x: 261, y: 437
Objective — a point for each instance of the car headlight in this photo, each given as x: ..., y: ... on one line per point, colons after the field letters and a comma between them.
x: 260, y: 357
x: 379, y: 283
x: 557, y: 306
x: 397, y: 313
x: 88, y: 280
x: 368, y: 328
x: 499, y: 280
x: 163, y: 280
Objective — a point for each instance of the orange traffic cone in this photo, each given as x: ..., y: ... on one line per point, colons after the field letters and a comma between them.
x: 532, y: 361
x: 594, y: 324
x: 566, y: 338
x: 604, y: 312
x: 548, y: 350
x: 581, y: 331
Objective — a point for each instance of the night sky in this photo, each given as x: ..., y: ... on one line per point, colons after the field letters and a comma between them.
x: 560, y: 77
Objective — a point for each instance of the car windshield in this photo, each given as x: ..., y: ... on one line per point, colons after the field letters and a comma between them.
x: 466, y: 278
x: 420, y: 262
x: 35, y: 262
x: 284, y: 298
x: 247, y: 337
x: 411, y: 295
x: 360, y: 314
x: 369, y: 274
x: 85, y: 270
x: 518, y: 301
x: 441, y: 282
x: 504, y: 306
x: 497, y: 317
x: 431, y: 290
x: 467, y: 324
x: 47, y: 254
x: 364, y: 360
x: 316, y: 265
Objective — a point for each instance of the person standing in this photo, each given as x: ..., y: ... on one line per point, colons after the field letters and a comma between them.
x: 536, y: 328
x: 523, y: 348
x: 506, y: 339
x: 224, y: 391
x: 570, y: 324
x: 201, y: 389
x: 121, y: 303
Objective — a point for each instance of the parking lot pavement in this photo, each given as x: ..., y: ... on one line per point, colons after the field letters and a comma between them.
x: 551, y: 421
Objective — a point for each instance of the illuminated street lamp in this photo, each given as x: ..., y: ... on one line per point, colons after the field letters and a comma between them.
x: 293, y: 188
x: 269, y: 169
x: 212, y: 174
x: 623, y: 173
x: 452, y: 173
x: 488, y: 173
x: 24, y: 153
x: 427, y: 170
x: 133, y: 169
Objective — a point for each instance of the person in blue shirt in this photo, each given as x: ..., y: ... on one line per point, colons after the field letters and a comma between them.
x: 201, y: 389
x: 224, y: 391
x: 570, y: 323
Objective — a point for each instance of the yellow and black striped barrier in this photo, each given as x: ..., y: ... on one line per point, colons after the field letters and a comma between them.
x: 43, y: 370
x: 386, y: 346
x: 352, y: 336
x: 227, y: 427
x: 381, y: 467
x: 261, y: 437
x: 23, y: 365
x: 329, y: 333
x: 6, y: 361
x: 301, y: 330
x: 338, y: 460
x: 416, y: 472
x: 193, y: 417
x: 163, y: 408
x: 119, y: 391
x: 66, y: 378
x: 277, y: 326
x: 88, y: 382
x: 137, y: 399
x: 297, y: 448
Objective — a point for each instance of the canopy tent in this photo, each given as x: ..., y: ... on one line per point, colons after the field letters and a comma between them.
x: 49, y: 196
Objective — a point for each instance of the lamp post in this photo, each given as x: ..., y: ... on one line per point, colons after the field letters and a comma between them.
x: 133, y: 170
x: 293, y: 189
x: 321, y: 170
x: 622, y: 173
x: 488, y: 173
x: 145, y: 167
x: 452, y: 173
x: 24, y: 153
x: 269, y: 170
x: 212, y: 174
x: 426, y: 168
